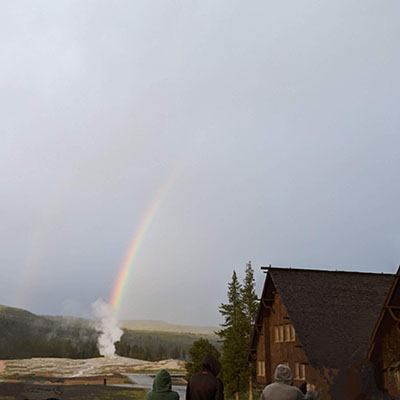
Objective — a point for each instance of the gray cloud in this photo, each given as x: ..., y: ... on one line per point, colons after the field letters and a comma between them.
x: 280, y: 118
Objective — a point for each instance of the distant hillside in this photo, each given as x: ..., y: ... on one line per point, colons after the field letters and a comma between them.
x: 161, y: 326
x: 71, y: 321
x: 25, y: 335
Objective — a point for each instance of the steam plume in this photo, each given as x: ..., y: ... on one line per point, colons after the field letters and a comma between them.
x: 107, y: 326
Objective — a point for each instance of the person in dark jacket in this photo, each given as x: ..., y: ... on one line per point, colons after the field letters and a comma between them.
x: 205, y: 385
x: 162, y: 387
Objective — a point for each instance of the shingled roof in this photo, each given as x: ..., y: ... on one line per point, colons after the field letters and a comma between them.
x: 333, y: 312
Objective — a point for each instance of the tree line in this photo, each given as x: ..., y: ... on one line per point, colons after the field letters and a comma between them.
x: 37, y: 347
x: 26, y: 335
x: 154, y: 346
x: 148, y: 353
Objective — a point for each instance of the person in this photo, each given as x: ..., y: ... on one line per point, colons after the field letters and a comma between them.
x: 312, y: 394
x: 205, y: 385
x: 309, y: 391
x: 303, y: 387
x: 162, y: 387
x: 282, y: 388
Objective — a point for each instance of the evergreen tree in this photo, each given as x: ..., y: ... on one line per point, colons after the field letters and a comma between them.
x: 250, y: 306
x: 200, y: 348
x: 249, y: 298
x: 234, y: 340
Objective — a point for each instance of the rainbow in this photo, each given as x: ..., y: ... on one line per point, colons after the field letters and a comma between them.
x: 129, y: 259
x: 130, y: 256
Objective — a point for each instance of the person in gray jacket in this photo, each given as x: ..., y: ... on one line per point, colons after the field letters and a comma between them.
x: 282, y: 388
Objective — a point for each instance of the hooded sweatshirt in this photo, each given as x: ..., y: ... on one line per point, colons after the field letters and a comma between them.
x: 205, y: 385
x: 281, y: 389
x: 162, y: 387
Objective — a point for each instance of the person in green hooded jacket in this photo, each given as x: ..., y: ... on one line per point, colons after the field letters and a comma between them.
x: 162, y: 387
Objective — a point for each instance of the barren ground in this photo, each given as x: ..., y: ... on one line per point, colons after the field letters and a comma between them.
x: 68, y: 368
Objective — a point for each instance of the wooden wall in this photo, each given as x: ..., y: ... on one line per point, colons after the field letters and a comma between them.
x: 290, y: 352
x: 386, y: 356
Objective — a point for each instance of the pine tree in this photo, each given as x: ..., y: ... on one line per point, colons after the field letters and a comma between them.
x: 250, y: 305
x: 249, y: 298
x: 234, y: 341
x: 199, y: 349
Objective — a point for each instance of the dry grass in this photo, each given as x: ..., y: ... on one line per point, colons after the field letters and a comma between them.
x: 11, y: 391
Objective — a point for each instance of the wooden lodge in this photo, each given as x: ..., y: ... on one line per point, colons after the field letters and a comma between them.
x: 320, y: 323
x: 384, y: 351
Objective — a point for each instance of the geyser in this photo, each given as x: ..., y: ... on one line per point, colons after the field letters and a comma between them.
x: 107, y: 326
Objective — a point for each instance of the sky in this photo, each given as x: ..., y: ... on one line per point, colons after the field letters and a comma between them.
x: 270, y: 127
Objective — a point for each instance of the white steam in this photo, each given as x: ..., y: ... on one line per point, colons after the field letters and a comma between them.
x: 107, y: 326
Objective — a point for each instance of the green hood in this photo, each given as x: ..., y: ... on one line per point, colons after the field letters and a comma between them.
x: 162, y: 381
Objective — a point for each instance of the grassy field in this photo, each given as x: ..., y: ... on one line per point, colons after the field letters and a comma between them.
x: 17, y: 391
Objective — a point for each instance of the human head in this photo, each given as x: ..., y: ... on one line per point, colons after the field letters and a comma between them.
x: 283, y: 374
x: 211, y: 364
x: 162, y: 381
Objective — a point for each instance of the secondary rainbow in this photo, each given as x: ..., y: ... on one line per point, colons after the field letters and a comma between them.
x: 127, y: 264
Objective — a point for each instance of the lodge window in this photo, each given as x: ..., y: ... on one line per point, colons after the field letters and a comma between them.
x: 281, y: 334
x: 292, y: 333
x: 299, y: 371
x: 287, y: 331
x: 284, y: 333
x: 276, y: 334
x: 260, y: 368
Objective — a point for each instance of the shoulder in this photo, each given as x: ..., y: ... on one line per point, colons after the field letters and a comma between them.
x: 271, y: 385
x: 194, y: 376
x: 296, y: 389
x: 149, y: 395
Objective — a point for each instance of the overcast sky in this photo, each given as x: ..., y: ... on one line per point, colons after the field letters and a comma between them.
x: 274, y: 126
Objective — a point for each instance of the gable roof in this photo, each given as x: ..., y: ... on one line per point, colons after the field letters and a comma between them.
x: 333, y: 312
x: 390, y: 308
x: 266, y: 293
